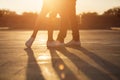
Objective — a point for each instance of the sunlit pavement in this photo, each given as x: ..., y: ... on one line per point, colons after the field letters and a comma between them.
x: 98, y: 58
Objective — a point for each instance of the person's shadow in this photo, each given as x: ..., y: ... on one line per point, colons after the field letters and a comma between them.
x: 33, y: 71
x: 90, y: 71
x: 108, y: 66
x: 60, y: 67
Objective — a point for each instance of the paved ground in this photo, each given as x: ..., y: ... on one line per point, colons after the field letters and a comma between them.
x: 97, y: 59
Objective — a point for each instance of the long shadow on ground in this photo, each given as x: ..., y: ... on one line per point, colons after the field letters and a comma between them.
x: 110, y: 67
x: 33, y: 71
x: 60, y: 67
x: 90, y: 71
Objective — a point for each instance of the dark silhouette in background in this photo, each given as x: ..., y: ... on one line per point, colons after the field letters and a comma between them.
x: 68, y: 15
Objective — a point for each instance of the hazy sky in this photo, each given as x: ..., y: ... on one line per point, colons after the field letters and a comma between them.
x: 82, y: 5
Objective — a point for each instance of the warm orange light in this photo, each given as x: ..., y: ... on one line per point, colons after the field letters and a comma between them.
x: 62, y: 75
x: 44, y: 57
x: 61, y: 67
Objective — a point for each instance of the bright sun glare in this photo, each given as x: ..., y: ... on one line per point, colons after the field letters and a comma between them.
x: 32, y: 6
x: 37, y: 4
x: 21, y: 6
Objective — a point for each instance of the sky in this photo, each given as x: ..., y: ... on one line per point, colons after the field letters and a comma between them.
x: 21, y: 6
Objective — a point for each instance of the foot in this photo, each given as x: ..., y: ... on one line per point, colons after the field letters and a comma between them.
x: 73, y: 43
x: 29, y: 42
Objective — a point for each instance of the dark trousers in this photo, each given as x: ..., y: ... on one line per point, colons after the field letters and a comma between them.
x: 68, y: 15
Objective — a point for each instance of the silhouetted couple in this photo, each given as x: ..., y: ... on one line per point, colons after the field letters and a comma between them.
x: 67, y: 11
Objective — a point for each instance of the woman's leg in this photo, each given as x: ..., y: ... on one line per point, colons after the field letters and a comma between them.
x: 39, y: 20
x: 51, y: 23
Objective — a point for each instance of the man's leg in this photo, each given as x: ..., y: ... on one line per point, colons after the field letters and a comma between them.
x: 73, y: 21
x: 75, y: 28
x: 62, y: 32
x: 63, y: 27
x: 74, y: 25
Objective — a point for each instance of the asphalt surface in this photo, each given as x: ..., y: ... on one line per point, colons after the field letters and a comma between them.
x: 98, y: 58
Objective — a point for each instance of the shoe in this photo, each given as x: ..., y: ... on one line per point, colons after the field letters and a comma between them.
x: 29, y: 42
x: 73, y: 43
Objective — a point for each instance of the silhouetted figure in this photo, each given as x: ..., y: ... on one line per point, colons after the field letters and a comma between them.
x: 67, y: 11
x: 47, y: 8
x: 68, y: 15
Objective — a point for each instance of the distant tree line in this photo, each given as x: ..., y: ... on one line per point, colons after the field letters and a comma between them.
x: 110, y: 18
x: 4, y: 12
x: 90, y: 20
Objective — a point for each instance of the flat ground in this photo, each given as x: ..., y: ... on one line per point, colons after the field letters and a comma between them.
x: 98, y: 58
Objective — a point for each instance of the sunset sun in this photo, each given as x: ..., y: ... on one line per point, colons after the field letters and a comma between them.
x: 35, y: 5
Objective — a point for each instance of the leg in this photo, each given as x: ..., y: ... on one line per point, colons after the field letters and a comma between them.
x: 74, y: 26
x: 50, y: 34
x: 36, y: 27
x: 73, y: 21
x: 51, y: 22
x: 63, y: 28
x: 38, y: 21
x: 51, y: 42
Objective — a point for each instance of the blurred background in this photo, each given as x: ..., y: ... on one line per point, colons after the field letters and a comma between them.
x: 91, y: 14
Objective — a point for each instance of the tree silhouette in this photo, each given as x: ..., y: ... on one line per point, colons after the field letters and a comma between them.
x: 90, y: 14
x: 29, y: 14
x: 4, y: 12
x: 113, y: 12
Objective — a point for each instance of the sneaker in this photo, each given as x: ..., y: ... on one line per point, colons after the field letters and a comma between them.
x: 73, y: 43
x: 29, y: 42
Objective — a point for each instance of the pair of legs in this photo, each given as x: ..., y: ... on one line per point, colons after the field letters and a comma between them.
x: 45, y: 10
x: 68, y: 15
x: 67, y: 12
